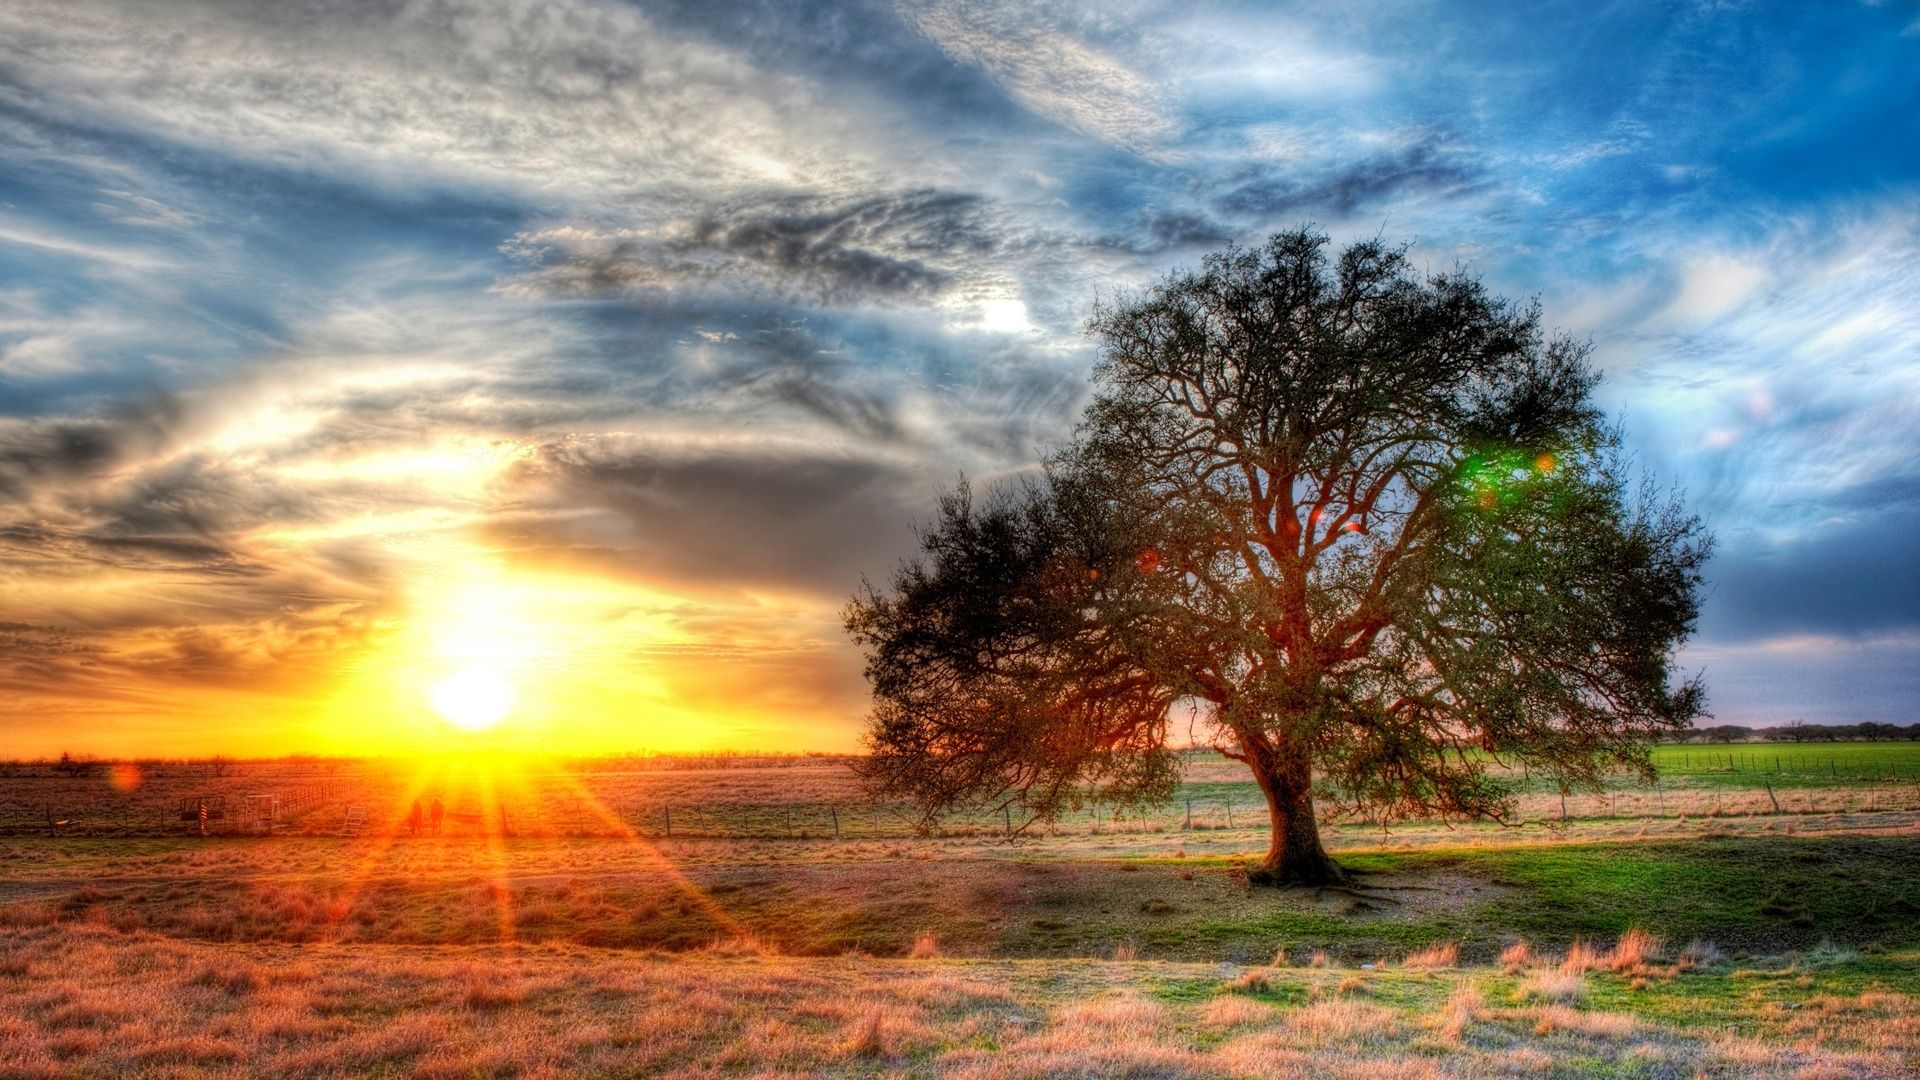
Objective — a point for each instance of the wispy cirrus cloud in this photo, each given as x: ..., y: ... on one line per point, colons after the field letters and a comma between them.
x: 1054, y: 67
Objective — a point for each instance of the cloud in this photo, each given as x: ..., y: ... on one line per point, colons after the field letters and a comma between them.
x: 1053, y: 69
x: 1822, y: 679
x: 759, y: 516
x: 116, y: 256
x: 1848, y: 578
x: 1423, y: 165
x: 313, y: 302
x: 909, y: 246
x: 575, y: 97
x: 1778, y: 371
x: 131, y: 208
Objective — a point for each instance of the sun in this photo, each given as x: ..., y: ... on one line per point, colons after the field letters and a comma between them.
x: 475, y: 699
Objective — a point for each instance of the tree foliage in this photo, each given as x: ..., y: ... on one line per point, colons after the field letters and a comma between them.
x: 1371, y: 520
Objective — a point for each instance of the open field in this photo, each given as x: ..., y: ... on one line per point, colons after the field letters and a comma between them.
x: 807, y: 798
x: 87, y: 1000
x: 1733, y: 943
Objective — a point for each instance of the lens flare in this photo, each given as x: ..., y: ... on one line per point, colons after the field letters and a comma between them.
x: 124, y: 776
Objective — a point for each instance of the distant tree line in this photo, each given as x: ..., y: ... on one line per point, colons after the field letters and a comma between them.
x: 1798, y: 732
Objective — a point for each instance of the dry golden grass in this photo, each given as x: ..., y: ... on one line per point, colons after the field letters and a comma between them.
x: 1446, y: 954
x: 1251, y: 981
x: 84, y: 999
x: 1581, y: 957
x: 1554, y: 985
x: 1233, y: 1011
x: 1632, y: 952
x: 1463, y: 1006
x: 1516, y: 956
x: 457, y: 957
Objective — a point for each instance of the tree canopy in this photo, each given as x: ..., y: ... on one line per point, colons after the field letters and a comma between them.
x: 1369, y: 523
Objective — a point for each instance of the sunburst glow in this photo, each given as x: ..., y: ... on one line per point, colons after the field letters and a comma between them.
x: 475, y: 699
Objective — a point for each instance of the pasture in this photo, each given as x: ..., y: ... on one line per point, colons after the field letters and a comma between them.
x: 1721, y: 937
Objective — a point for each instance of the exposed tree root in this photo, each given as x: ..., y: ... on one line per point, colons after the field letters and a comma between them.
x: 1326, y: 874
x: 1355, y: 893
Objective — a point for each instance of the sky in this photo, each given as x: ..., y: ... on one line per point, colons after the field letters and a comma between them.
x: 572, y: 361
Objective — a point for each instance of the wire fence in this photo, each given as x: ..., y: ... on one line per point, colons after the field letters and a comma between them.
x: 337, y: 809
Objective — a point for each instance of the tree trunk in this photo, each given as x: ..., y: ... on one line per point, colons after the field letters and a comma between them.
x: 1294, y: 855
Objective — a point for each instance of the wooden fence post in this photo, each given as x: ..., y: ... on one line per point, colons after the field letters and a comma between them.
x: 1770, y: 798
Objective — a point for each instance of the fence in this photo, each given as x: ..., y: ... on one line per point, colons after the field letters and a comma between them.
x: 259, y: 813
x: 321, y: 809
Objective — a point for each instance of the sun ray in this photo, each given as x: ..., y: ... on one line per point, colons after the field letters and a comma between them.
x: 383, y: 838
x: 653, y: 856
x: 493, y: 833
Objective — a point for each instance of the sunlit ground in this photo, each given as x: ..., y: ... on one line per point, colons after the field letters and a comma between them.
x: 469, y: 795
x: 550, y: 929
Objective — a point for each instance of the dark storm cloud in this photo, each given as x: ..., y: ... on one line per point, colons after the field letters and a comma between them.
x: 1183, y: 230
x: 1427, y: 167
x: 49, y: 451
x: 717, y: 518
x: 1155, y: 232
x: 1857, y: 576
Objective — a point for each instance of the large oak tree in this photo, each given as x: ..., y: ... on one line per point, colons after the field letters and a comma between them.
x: 1368, y: 523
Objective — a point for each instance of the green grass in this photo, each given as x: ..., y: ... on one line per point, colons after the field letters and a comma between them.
x: 1787, y: 765
x: 1755, y: 893
x: 1737, y: 767
x: 1759, y: 894
x: 1735, y: 997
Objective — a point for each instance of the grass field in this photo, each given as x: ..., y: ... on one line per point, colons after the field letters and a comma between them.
x: 1741, y: 942
x: 804, y: 798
